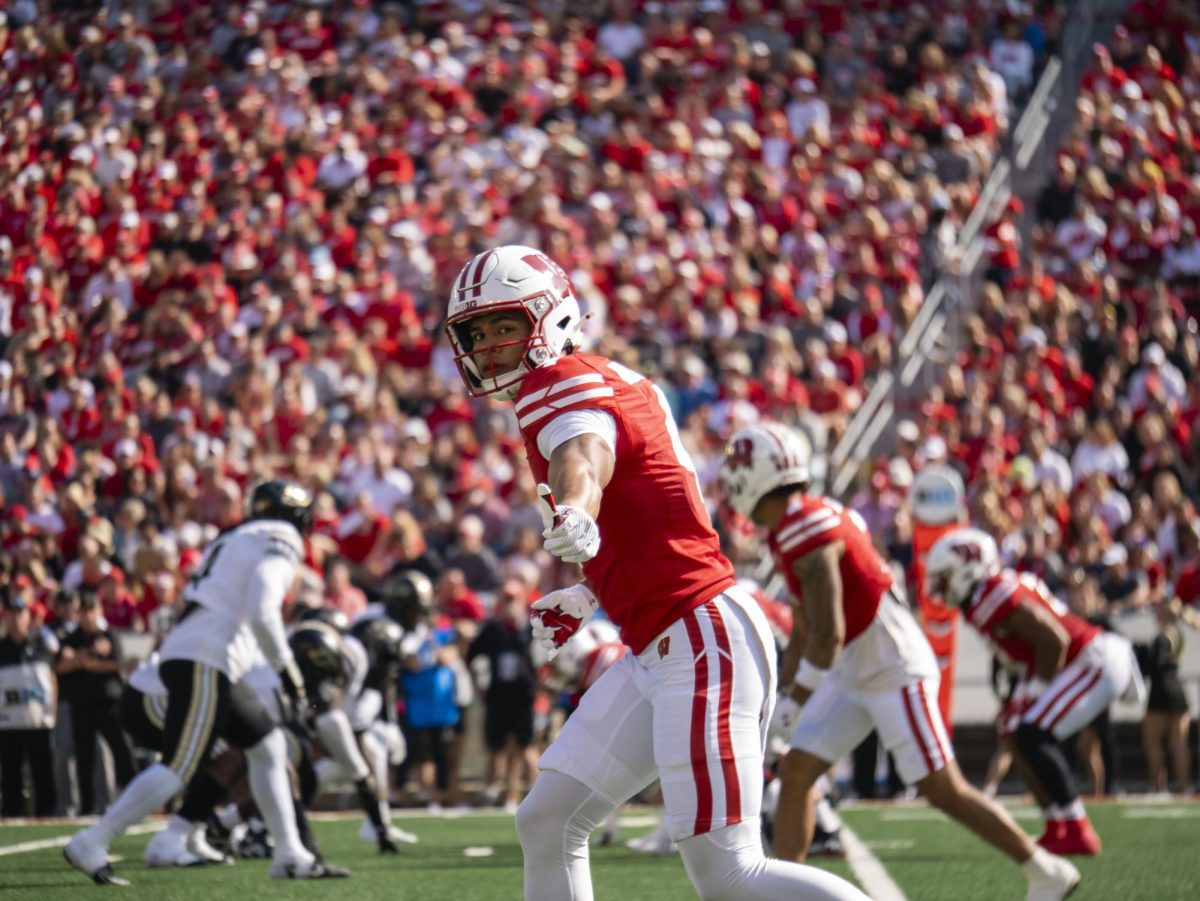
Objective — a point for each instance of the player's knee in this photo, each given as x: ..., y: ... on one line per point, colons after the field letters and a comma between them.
x: 535, y: 820
x: 943, y: 788
x: 272, y: 747
x: 1030, y: 739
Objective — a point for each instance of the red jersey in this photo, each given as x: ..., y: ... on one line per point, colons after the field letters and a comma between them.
x: 994, y: 602
x: 659, y: 556
x: 813, y: 522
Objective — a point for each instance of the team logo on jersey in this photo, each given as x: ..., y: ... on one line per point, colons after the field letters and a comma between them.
x: 664, y: 646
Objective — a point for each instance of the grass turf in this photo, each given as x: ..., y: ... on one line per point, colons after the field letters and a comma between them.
x: 1149, y: 853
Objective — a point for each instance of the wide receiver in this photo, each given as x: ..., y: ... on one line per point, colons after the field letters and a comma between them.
x: 856, y: 660
x: 689, y: 703
x: 1070, y: 670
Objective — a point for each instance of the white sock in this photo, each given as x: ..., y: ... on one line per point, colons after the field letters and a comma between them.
x: 229, y: 817
x: 267, y: 763
x: 1038, y: 863
x: 150, y: 790
x: 180, y: 826
x: 377, y: 759
x: 1073, y: 811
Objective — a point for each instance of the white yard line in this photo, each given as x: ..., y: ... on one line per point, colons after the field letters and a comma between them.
x: 43, y: 843
x: 867, y: 869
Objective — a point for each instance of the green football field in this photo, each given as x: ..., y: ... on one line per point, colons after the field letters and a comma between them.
x: 1151, y: 851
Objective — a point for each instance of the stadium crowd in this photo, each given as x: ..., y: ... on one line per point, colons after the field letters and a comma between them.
x: 227, y: 234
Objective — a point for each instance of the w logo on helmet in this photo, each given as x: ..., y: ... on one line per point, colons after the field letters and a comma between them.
x: 969, y: 553
x: 740, y: 454
x: 541, y: 263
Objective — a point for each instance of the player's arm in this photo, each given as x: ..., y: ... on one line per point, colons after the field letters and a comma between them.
x: 820, y: 574
x: 795, y: 646
x: 1037, y: 627
x: 266, y: 587
x: 580, y: 470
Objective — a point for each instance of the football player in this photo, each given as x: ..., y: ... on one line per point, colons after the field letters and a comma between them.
x: 856, y: 659
x: 232, y: 603
x: 334, y: 667
x: 690, y: 701
x: 1070, y: 670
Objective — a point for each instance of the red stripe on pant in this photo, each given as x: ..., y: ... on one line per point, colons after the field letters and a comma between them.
x: 1087, y: 686
x: 937, y: 739
x: 704, y: 790
x: 916, y: 731
x: 733, y: 788
x: 1062, y: 693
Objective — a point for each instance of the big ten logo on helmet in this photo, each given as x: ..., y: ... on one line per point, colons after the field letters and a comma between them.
x: 740, y: 454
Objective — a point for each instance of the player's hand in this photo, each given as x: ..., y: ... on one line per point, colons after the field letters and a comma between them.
x: 560, y: 614
x: 784, y: 719
x: 570, y: 532
x: 293, y: 686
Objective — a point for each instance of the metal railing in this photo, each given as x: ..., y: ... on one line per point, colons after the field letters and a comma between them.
x: 933, y: 337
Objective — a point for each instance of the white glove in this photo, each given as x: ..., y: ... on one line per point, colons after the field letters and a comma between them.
x: 570, y: 532
x: 560, y: 614
x: 784, y: 719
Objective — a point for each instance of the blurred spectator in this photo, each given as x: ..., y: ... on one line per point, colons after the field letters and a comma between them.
x: 1168, y: 719
x: 27, y: 690
x: 505, y: 640
x: 340, y: 594
x: 476, y: 562
x: 89, y: 671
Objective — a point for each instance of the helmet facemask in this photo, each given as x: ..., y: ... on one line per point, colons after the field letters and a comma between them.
x: 471, y: 362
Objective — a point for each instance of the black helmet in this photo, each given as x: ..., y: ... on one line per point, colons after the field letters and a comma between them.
x: 331, y: 617
x: 406, y: 595
x: 281, y: 499
x: 381, y: 637
x: 318, y: 655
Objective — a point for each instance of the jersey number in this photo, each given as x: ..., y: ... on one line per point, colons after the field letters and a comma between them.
x: 210, y: 559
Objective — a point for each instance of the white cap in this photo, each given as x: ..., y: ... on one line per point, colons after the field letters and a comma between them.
x: 1154, y: 355
x: 6, y: 369
x: 129, y: 219
x: 835, y: 332
x: 126, y: 447
x: 1114, y: 555
x: 256, y: 57
x: 933, y: 450
x: 953, y: 132
x: 1031, y: 337
x: 907, y: 429
x: 827, y: 369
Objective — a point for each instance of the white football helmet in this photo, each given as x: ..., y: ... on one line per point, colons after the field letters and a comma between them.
x: 957, y: 563
x: 759, y: 459
x: 520, y: 279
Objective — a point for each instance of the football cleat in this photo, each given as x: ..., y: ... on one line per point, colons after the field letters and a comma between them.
x: 826, y: 844
x: 1057, y: 879
x: 1073, y: 838
x: 91, y: 859
x: 316, y: 869
x: 168, y: 848
x: 256, y: 843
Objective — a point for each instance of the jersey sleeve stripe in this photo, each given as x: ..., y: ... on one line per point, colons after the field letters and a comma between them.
x: 590, y: 378
x: 986, y: 608
x: 796, y: 540
x: 551, y: 406
x: 819, y: 516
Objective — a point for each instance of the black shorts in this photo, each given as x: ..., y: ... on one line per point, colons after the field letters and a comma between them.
x: 142, y: 716
x: 500, y: 720
x: 202, y: 706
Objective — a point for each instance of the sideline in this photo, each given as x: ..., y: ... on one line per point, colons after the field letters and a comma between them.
x: 43, y: 843
x: 867, y: 869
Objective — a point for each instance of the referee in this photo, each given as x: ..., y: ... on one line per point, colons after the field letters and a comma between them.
x: 27, y: 703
